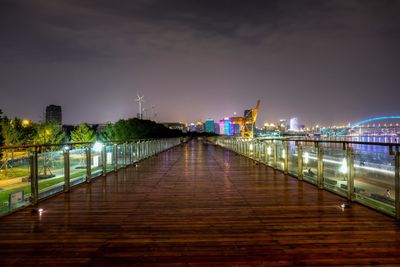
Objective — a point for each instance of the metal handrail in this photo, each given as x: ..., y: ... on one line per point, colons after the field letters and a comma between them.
x: 81, y: 143
x: 317, y: 141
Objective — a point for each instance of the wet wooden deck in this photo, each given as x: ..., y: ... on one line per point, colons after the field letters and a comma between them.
x: 198, y: 205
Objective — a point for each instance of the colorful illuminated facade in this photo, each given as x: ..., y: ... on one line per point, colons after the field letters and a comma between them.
x: 209, y: 126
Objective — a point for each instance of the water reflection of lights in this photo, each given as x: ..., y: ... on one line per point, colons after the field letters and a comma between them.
x: 355, y: 165
x: 343, y: 167
x: 306, y: 157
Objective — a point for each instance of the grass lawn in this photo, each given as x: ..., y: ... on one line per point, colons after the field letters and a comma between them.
x: 4, y: 195
x: 14, y: 172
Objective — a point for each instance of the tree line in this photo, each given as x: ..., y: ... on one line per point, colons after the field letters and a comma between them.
x: 19, y: 132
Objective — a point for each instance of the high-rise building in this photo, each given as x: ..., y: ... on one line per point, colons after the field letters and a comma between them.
x: 282, y: 124
x: 294, y: 124
x: 200, y: 127
x: 53, y: 114
x: 216, y: 128
x: 192, y: 127
x: 209, y: 126
x: 225, y: 126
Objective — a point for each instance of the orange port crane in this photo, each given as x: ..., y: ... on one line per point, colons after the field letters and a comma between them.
x: 247, y: 123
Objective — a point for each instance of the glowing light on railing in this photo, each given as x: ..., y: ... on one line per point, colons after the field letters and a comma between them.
x: 269, y: 151
x: 283, y: 153
x: 97, y: 147
x: 306, y: 157
x: 343, y: 167
x: 367, y: 168
x: 251, y: 147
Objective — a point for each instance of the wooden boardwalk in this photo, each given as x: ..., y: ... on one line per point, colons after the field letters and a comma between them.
x: 198, y: 205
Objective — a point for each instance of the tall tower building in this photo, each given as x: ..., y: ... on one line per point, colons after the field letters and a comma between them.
x: 209, y: 126
x: 294, y: 124
x: 53, y: 114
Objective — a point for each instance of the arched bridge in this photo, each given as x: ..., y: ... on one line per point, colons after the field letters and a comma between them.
x: 343, y: 131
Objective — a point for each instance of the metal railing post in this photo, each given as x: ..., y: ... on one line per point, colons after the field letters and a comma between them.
x: 286, y: 159
x: 104, y: 159
x: 300, y: 162
x: 138, y: 150
x: 265, y: 153
x: 320, y: 169
x: 34, y: 177
x: 124, y: 154
x: 88, y: 164
x: 66, y: 169
x: 130, y: 153
x: 275, y: 162
x: 397, y: 183
x: 350, y: 173
x: 115, y: 150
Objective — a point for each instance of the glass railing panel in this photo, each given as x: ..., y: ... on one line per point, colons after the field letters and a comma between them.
x: 77, y: 166
x: 280, y: 161
x: 262, y: 151
x: 293, y: 158
x: 15, y: 186
x: 50, y: 173
x: 269, y: 154
x: 120, y: 156
x: 310, y: 164
x: 374, y: 178
x: 335, y: 169
x: 110, y: 158
x: 128, y: 154
x: 134, y: 152
x: 96, y: 163
x: 252, y: 150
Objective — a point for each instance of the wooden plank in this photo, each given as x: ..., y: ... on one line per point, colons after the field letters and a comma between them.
x: 198, y: 205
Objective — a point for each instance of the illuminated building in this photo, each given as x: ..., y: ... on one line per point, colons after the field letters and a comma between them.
x: 294, y: 124
x: 216, y: 128
x: 227, y: 128
x: 209, y: 126
x: 192, y: 127
x: 200, y: 127
x: 282, y: 124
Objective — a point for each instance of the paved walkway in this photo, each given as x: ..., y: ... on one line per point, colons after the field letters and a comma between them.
x: 198, y: 204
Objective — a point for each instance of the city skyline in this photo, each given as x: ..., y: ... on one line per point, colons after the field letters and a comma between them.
x: 325, y: 63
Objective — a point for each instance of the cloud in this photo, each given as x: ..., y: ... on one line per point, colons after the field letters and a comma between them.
x: 232, y: 52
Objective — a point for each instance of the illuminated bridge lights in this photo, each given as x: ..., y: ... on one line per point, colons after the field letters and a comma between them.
x: 367, y: 121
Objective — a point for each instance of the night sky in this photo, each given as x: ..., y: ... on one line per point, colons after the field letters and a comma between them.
x: 325, y: 62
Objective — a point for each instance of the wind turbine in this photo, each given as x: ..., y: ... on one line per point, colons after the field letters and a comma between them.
x: 140, y: 101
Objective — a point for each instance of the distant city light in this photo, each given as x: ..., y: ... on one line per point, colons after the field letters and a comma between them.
x: 25, y: 123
